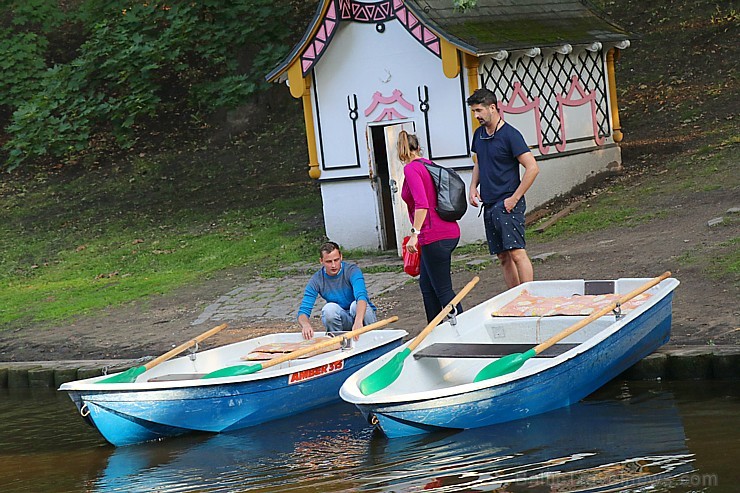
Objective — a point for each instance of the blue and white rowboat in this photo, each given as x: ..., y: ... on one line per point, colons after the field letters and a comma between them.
x: 436, y: 389
x: 171, y: 398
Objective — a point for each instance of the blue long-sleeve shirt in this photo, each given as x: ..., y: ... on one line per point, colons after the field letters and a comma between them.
x: 344, y: 288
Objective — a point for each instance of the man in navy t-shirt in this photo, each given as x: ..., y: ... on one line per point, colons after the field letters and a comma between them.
x: 342, y: 285
x: 499, y: 149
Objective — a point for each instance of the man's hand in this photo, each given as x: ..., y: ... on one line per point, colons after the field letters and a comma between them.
x: 510, y: 203
x: 474, y: 197
x: 360, y: 315
x: 357, y: 325
x: 307, y: 332
x: 306, y: 328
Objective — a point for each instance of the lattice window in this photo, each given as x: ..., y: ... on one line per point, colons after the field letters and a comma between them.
x: 548, y: 77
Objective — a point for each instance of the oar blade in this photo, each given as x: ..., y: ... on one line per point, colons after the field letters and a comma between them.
x: 385, y: 375
x: 234, y: 371
x: 504, y: 366
x: 128, y: 376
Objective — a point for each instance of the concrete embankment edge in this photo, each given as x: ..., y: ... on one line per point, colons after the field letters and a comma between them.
x: 668, y: 363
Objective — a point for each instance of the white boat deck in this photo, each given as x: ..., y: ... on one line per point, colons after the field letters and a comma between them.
x: 434, y: 374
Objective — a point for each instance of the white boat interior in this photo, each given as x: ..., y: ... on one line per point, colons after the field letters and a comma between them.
x: 495, y: 337
x: 187, y: 370
x: 453, y: 353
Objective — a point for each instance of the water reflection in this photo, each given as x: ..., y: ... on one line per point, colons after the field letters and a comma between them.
x: 591, y: 446
x: 625, y: 438
x: 598, y: 445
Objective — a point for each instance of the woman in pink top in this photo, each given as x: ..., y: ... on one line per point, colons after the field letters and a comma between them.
x: 435, y: 237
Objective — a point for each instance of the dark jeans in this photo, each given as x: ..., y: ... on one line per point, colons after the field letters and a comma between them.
x: 435, y: 279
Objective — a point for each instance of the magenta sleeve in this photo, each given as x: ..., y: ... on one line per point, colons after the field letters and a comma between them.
x: 412, y: 175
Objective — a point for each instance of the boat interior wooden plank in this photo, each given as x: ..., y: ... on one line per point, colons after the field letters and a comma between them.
x: 471, y: 350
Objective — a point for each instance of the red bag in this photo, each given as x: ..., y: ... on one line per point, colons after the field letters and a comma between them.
x: 411, y: 261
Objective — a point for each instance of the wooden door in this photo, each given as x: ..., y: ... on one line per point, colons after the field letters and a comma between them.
x: 401, y: 221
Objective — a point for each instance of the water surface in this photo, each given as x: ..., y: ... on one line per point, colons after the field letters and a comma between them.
x: 629, y: 436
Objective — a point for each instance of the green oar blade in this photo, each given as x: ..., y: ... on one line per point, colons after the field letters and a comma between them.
x: 385, y: 375
x: 128, y: 376
x: 504, y: 366
x: 234, y: 371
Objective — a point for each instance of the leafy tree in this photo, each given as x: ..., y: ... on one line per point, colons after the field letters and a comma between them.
x: 139, y: 62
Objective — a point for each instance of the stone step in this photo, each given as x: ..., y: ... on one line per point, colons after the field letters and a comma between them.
x: 52, y: 374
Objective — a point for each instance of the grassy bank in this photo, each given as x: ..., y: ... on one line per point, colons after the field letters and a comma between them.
x: 631, y: 200
x: 87, y: 237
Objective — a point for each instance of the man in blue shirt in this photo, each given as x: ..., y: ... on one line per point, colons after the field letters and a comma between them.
x: 342, y: 285
x: 499, y: 149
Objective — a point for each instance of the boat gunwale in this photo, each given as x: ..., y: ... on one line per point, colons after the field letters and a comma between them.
x: 354, y: 396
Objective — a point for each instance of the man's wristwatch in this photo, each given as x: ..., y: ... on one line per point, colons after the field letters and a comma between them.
x: 414, y: 231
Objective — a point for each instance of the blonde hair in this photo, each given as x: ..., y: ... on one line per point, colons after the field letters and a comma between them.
x: 408, y: 145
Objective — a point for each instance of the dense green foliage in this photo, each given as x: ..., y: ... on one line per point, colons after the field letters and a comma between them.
x: 101, y: 68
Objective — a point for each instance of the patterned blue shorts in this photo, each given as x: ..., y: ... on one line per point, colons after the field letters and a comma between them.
x: 504, y: 230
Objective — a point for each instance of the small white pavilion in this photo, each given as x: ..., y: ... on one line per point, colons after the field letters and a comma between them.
x: 366, y: 70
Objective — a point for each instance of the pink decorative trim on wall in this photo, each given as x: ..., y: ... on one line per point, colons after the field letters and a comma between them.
x: 527, y: 105
x: 366, y: 12
x: 423, y: 35
x: 321, y: 39
x: 388, y: 113
x: 378, y: 12
x: 570, y: 100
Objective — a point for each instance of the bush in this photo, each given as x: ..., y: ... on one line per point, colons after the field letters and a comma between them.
x: 140, y: 62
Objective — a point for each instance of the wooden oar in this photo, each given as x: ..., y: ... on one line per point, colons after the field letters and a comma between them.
x: 131, y: 374
x: 512, y: 362
x: 233, y: 371
x: 387, y: 374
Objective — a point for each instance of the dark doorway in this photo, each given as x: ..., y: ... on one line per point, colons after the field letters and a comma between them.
x: 386, y: 203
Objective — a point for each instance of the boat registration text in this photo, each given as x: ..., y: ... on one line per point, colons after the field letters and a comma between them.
x: 303, y: 375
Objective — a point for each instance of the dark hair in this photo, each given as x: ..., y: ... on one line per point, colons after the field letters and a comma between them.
x: 328, y: 247
x: 407, y: 143
x: 482, y: 96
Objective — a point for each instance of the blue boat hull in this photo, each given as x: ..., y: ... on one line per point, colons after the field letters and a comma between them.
x: 553, y: 388
x: 132, y: 416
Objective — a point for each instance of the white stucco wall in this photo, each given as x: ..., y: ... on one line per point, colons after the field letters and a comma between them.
x: 350, y: 213
x: 361, y: 62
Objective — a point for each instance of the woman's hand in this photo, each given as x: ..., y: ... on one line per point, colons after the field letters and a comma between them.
x: 412, y: 243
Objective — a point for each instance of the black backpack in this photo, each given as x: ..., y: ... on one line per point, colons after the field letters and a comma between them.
x: 452, y: 197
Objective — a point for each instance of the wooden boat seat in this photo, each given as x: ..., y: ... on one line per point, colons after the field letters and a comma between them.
x: 528, y: 305
x: 176, y: 377
x: 474, y: 350
x: 276, y: 349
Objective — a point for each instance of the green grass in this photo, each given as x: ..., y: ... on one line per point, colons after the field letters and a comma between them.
x: 706, y: 169
x: 727, y: 264
x: 719, y: 262
x: 118, y: 266
x: 601, y: 213
x: 83, y: 240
